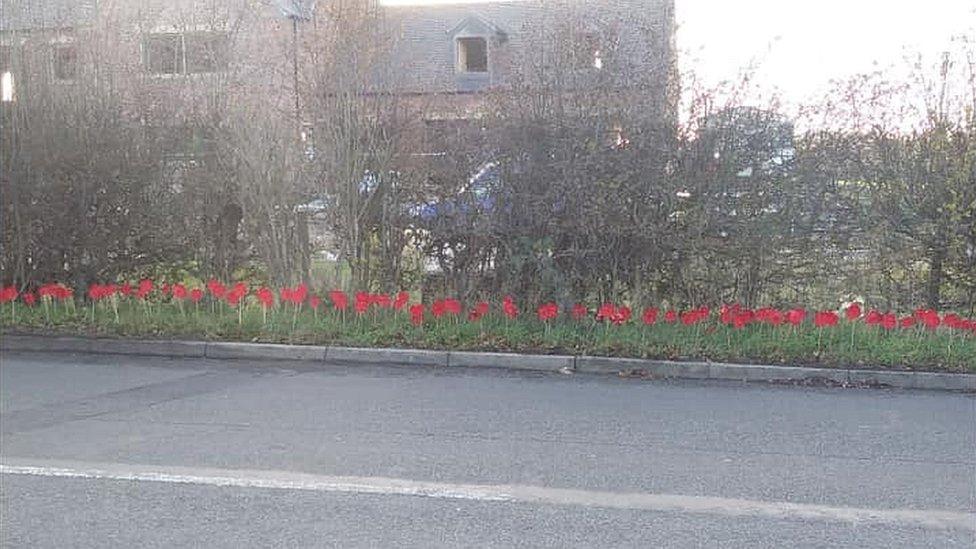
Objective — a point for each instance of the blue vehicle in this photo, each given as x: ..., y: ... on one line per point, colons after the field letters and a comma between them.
x: 478, y: 196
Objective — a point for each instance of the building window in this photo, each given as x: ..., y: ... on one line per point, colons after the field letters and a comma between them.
x: 587, y: 53
x: 472, y: 55
x: 65, y: 62
x: 205, y: 51
x: 6, y: 74
x: 7, y: 87
x: 186, y: 53
x: 164, y: 53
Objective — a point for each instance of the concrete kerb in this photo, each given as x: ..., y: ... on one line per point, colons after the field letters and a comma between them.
x: 50, y: 344
x: 653, y: 368
x: 541, y: 363
x: 55, y: 344
x: 265, y: 351
x: 536, y: 363
x: 944, y: 382
x: 740, y: 372
x: 403, y: 357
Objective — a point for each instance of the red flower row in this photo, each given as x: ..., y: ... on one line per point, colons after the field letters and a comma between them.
x: 735, y: 316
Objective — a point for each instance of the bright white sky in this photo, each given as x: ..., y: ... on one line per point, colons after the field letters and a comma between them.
x: 801, y: 45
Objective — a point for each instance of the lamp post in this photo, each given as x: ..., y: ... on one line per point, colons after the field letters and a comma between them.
x: 296, y: 10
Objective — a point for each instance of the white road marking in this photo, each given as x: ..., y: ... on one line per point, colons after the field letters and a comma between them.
x: 287, y: 480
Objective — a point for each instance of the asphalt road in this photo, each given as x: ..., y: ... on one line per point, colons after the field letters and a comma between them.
x: 125, y: 452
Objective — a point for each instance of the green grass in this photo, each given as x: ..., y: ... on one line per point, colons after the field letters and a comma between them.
x: 917, y: 348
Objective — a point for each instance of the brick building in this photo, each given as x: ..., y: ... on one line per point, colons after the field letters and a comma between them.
x: 448, y: 54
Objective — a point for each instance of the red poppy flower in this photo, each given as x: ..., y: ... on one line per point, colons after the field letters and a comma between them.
x: 671, y: 317
x: 417, y: 314
x: 314, y: 302
x: 285, y: 295
x: 179, y: 291
x: 796, y: 316
x: 165, y: 288
x: 929, y: 318
x: 952, y: 320
x: 873, y: 318
x: 265, y: 297
x: 579, y: 312
x: 296, y: 296
x: 509, y: 308
x: 726, y: 315
x: 95, y: 292
x: 55, y: 290
x: 438, y: 308
x: 743, y: 318
x: 8, y: 294
x: 479, y: 311
x: 145, y: 288
x: 340, y: 301
x: 236, y: 294
x: 98, y: 292
x: 825, y: 319
x: 690, y: 318
x: 854, y: 312
x: 196, y: 294
x: 217, y: 290
x: 29, y: 298
x: 362, y: 302
x: 769, y: 316
x: 382, y: 301
x: 889, y: 321
x: 606, y: 312
x: 547, y: 311
x: 649, y: 318
x: 126, y: 289
x: 621, y: 316
x: 452, y: 307
x: 908, y: 322
x: 401, y: 300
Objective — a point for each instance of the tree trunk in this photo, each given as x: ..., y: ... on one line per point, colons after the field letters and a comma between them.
x: 933, y: 292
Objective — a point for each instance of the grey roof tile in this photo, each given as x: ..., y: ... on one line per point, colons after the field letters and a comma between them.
x: 424, y: 55
x: 18, y: 15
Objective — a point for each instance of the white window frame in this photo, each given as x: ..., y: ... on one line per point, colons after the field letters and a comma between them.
x: 461, y: 66
x: 182, y: 33
x: 56, y: 45
x: 8, y: 87
x: 8, y: 81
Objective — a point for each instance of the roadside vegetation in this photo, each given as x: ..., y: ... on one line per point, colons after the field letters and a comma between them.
x: 568, y: 185
x: 849, y: 337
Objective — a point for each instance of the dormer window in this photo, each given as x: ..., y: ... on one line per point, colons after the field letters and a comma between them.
x: 587, y: 52
x: 65, y: 61
x: 472, y: 54
x: 6, y: 74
